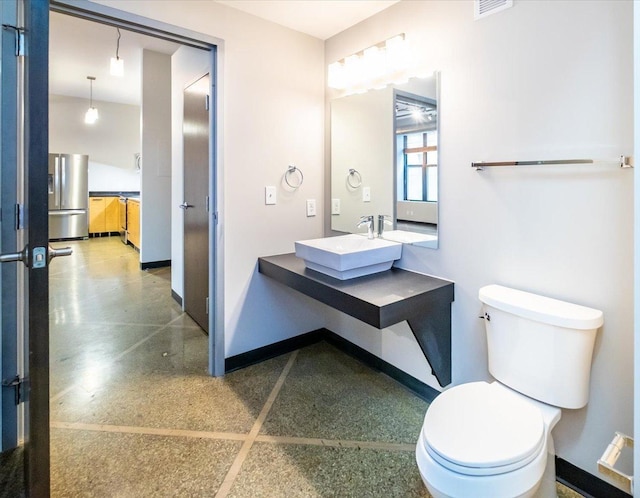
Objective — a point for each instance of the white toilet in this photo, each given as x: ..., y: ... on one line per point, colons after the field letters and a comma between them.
x: 493, y: 440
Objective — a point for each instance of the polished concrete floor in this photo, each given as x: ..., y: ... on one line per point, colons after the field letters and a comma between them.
x: 134, y: 413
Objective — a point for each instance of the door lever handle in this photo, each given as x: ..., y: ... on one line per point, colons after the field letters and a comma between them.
x: 184, y: 205
x: 37, y: 259
x: 56, y: 253
x: 14, y: 256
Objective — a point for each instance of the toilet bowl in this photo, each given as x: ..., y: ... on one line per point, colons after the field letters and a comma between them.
x: 484, y: 440
x: 494, y: 440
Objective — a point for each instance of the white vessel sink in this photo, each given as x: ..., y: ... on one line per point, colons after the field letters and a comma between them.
x: 348, y: 256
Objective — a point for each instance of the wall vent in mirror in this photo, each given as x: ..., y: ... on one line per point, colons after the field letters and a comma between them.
x: 484, y: 8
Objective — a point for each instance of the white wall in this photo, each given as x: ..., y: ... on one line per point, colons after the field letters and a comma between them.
x: 636, y: 397
x: 542, y: 80
x: 362, y: 134
x: 155, y: 200
x: 110, y: 143
x: 272, y: 98
x: 187, y: 65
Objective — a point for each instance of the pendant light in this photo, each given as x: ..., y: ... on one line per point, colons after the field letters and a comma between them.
x: 91, y: 116
x: 117, y: 64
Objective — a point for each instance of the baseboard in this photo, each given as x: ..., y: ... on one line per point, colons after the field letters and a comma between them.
x: 585, y: 483
x: 254, y: 356
x: 155, y: 264
x: 416, y: 386
x: 176, y: 297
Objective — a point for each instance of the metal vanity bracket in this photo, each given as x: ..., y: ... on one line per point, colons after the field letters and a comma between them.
x: 381, y: 300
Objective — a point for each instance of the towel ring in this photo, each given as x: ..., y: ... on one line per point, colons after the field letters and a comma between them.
x: 292, y: 170
x: 358, y: 176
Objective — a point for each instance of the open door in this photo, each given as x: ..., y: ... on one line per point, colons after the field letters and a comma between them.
x: 196, y: 201
x: 24, y: 244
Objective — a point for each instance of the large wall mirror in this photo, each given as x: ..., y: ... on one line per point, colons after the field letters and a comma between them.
x: 384, y: 160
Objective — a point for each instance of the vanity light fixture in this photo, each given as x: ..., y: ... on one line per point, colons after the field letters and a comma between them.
x: 91, y: 116
x: 117, y: 64
x: 372, y: 68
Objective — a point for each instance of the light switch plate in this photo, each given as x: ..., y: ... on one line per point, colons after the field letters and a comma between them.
x: 335, y: 206
x: 269, y: 195
x: 311, y: 207
x: 366, y: 194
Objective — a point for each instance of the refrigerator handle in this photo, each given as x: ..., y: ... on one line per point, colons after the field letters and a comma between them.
x: 63, y: 182
x: 56, y: 173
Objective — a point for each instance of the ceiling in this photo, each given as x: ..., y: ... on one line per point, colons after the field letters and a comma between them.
x: 81, y: 48
x: 319, y: 18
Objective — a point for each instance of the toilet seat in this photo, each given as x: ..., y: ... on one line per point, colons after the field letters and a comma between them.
x: 483, y: 429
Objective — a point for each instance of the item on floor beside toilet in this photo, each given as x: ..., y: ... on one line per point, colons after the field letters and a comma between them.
x: 493, y: 440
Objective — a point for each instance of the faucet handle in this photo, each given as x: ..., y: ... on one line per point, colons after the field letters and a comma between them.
x: 384, y: 218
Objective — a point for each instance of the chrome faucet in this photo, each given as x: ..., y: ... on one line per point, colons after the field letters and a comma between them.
x: 382, y: 220
x: 367, y: 220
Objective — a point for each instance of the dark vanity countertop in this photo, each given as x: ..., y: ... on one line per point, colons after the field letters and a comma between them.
x: 110, y: 193
x: 381, y: 299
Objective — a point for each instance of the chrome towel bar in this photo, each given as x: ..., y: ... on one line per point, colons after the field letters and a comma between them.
x: 622, y: 161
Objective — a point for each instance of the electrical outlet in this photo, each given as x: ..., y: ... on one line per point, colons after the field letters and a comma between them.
x: 335, y: 206
x: 269, y: 195
x: 311, y: 207
x: 366, y: 194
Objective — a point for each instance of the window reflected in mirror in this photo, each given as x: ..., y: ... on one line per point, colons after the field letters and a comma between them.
x: 416, y: 128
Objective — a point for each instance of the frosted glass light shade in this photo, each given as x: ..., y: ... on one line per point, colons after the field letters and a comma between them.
x: 91, y: 115
x: 117, y: 67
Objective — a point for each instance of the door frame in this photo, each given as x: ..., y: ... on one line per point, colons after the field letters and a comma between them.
x: 9, y: 348
x: 123, y: 19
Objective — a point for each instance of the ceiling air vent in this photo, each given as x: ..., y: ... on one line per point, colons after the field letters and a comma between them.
x: 483, y: 8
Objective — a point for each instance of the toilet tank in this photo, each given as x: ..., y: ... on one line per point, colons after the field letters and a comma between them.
x: 540, y: 346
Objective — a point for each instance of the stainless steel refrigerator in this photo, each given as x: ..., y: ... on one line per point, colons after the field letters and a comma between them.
x: 68, y: 196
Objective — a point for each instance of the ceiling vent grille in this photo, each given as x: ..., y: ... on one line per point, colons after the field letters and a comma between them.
x: 483, y: 8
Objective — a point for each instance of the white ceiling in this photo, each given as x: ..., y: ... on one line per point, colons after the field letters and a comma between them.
x: 80, y: 48
x: 319, y: 18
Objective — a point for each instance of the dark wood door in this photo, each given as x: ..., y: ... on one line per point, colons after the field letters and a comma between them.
x: 196, y: 201
x: 24, y: 243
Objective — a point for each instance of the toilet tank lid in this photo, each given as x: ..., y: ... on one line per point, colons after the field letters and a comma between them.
x: 540, y: 308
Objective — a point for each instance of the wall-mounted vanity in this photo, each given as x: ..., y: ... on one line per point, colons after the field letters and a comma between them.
x: 384, y: 160
x: 381, y: 300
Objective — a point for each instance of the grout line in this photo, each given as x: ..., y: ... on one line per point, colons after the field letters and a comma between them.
x: 142, y: 341
x: 337, y: 443
x: 234, y: 470
x: 232, y: 436
x: 116, y: 358
x: 152, y: 431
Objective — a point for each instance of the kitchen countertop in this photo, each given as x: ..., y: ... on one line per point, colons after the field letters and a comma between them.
x: 112, y: 193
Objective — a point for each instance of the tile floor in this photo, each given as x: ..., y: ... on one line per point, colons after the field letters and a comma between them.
x: 134, y: 414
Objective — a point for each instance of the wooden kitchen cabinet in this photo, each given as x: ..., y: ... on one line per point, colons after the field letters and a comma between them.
x: 103, y: 215
x: 133, y: 222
